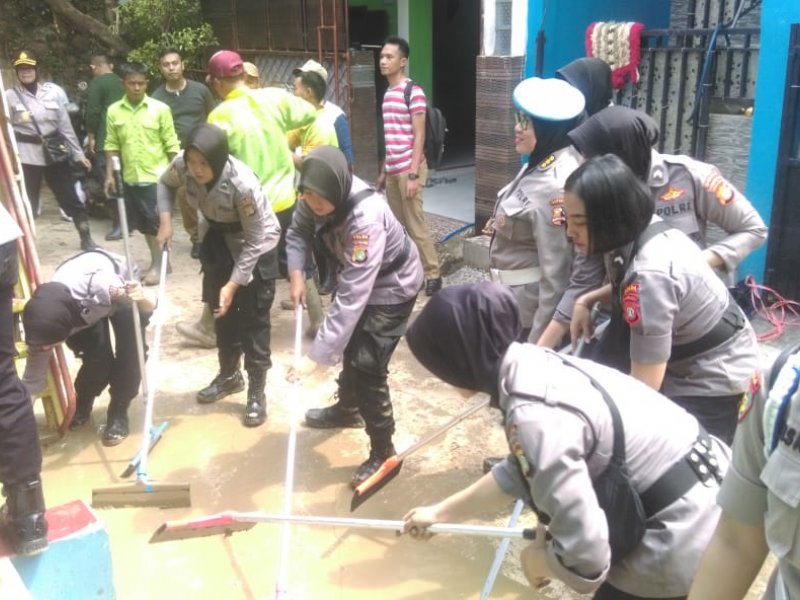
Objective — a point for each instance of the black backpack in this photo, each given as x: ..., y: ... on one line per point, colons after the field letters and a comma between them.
x: 435, y: 130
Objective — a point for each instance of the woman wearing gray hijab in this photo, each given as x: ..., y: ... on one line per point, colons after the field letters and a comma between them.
x: 564, y: 418
x: 379, y: 279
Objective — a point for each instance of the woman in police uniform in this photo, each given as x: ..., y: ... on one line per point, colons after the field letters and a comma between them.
x: 676, y: 326
x: 36, y: 111
x: 529, y: 251
x: 561, y: 435
x: 239, y: 237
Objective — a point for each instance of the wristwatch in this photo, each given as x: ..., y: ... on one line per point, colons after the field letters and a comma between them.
x: 413, y: 176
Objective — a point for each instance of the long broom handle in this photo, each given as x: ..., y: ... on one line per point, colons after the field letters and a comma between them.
x: 500, y: 555
x: 123, y: 223
x: 281, y: 584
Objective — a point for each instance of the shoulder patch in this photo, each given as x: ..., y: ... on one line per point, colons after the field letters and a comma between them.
x: 547, y: 162
x: 748, y: 398
x: 716, y: 184
x: 631, y: 308
x: 672, y: 193
x: 248, y: 206
x: 360, y: 247
x: 517, y: 451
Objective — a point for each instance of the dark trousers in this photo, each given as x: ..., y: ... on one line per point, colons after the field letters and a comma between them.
x: 365, y: 365
x: 718, y: 414
x: 20, y: 455
x: 246, y: 327
x: 104, y: 365
x: 59, y: 177
x: 609, y: 592
x: 141, y: 209
x: 285, y: 219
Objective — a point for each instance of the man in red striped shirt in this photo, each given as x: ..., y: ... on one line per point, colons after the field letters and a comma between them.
x: 404, y: 169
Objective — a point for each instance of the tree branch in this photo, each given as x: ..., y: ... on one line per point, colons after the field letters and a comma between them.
x: 88, y: 24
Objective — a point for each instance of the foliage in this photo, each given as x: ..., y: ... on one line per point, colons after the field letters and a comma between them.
x: 191, y: 41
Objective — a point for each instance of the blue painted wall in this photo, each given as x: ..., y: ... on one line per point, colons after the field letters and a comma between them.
x: 566, y: 22
x: 776, y: 19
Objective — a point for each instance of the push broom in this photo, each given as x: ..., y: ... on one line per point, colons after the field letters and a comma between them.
x: 143, y: 492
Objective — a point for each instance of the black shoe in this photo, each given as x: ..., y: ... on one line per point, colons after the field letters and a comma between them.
x: 371, y: 465
x: 115, y: 234
x: 255, y: 412
x: 333, y: 416
x: 490, y: 461
x: 195, y: 253
x: 115, y: 431
x: 82, y: 415
x: 87, y: 243
x: 432, y: 286
x: 23, y: 517
x: 221, y: 386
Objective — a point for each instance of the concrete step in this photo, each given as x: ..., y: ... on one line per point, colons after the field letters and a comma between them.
x: 476, y: 251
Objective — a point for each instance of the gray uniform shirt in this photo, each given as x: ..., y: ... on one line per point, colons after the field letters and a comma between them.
x: 51, y: 116
x: 670, y: 296
x: 561, y: 427
x: 236, y: 197
x: 368, y: 239
x: 762, y: 487
x: 529, y: 232
x: 89, y: 277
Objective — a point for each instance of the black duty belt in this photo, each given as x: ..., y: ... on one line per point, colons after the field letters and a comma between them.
x: 29, y: 139
x: 699, y: 464
x: 731, y: 322
x: 398, y: 260
x: 233, y: 227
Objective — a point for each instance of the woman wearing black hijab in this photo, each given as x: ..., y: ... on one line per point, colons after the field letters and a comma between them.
x: 529, y: 251
x: 561, y: 436
x: 239, y: 237
x: 592, y: 77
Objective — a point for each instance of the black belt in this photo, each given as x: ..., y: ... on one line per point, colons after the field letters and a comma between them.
x: 699, y: 464
x: 29, y: 139
x: 398, y: 260
x: 232, y: 227
x: 731, y: 321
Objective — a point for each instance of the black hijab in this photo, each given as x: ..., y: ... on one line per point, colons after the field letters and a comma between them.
x: 325, y: 172
x: 592, y: 76
x: 628, y: 133
x: 550, y: 136
x: 463, y: 332
x: 212, y: 142
x: 50, y: 315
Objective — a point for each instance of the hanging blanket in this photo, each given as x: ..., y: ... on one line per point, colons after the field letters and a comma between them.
x: 618, y: 44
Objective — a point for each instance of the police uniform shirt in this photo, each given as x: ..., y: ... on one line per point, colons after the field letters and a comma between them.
x: 529, y: 231
x: 762, y: 487
x: 50, y: 115
x: 89, y: 276
x: 689, y: 194
x: 670, y: 296
x: 368, y: 239
x: 235, y: 198
x: 560, y: 436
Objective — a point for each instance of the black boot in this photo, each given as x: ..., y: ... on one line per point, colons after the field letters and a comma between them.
x: 83, y: 412
x: 381, y: 448
x: 116, y: 231
x: 116, y: 430
x: 228, y: 381
x: 334, y: 415
x: 255, y: 412
x: 82, y: 225
x: 24, y: 518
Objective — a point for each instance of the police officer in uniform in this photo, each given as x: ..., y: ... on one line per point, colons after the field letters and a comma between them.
x: 529, y: 251
x: 20, y: 455
x: 36, y: 111
x: 759, y: 498
x: 674, y: 323
x: 380, y: 278
x: 86, y: 294
x: 239, y: 237
x: 561, y: 430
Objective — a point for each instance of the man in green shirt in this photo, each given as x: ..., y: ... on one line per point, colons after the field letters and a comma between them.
x: 105, y: 88
x: 140, y: 131
x: 257, y: 122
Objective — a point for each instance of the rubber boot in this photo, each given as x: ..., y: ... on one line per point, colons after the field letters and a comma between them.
x: 82, y: 225
x: 255, y: 412
x: 153, y: 274
x: 202, y: 332
x: 314, y: 305
x: 83, y: 412
x: 334, y: 416
x: 228, y: 381
x: 24, y: 518
x: 381, y: 448
x: 116, y: 231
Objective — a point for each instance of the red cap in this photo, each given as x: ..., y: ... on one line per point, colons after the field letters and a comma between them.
x: 225, y: 63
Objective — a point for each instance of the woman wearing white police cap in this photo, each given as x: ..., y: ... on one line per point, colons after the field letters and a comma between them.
x: 529, y: 251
